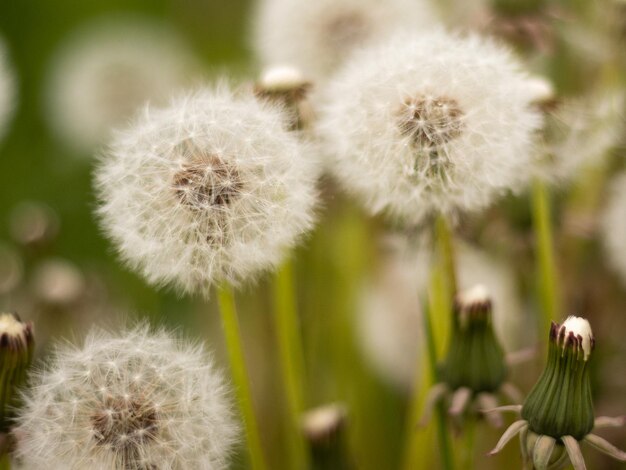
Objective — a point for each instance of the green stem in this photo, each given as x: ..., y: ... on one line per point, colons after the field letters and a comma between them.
x: 438, y: 310
x: 469, y: 441
x: 5, y: 462
x: 230, y: 324
x: 291, y: 360
x: 445, y: 248
x: 547, y: 276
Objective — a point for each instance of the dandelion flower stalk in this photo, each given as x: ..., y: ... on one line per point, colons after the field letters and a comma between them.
x: 232, y: 334
x: 547, y: 276
x: 291, y: 358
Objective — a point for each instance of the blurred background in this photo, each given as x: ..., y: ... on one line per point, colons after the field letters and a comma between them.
x: 359, y: 320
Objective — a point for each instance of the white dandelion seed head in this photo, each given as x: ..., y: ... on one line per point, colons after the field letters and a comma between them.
x: 106, y: 70
x: 137, y: 400
x: 390, y: 315
x: 212, y: 188
x: 581, y: 133
x: 7, y: 89
x: 430, y: 123
x: 317, y: 36
x: 613, y: 226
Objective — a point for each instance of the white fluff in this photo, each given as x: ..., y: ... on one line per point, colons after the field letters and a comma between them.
x: 580, y: 327
x: 211, y: 188
x: 317, y: 36
x: 104, y: 72
x: 7, y: 89
x: 613, y: 226
x: 390, y: 319
x: 430, y: 123
x: 133, y: 401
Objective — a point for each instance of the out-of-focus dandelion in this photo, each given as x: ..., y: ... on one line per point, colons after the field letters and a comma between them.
x: 135, y: 400
x: 325, y: 427
x: 429, y: 124
x: 7, y: 89
x: 11, y: 269
x: 57, y: 282
x: 613, y: 226
x: 212, y: 188
x: 474, y: 370
x: 390, y: 320
x: 318, y: 36
x: 33, y: 224
x: 558, y: 413
x: 107, y: 70
x: 580, y: 133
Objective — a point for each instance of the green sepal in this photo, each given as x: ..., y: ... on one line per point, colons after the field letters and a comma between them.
x: 560, y: 403
x: 475, y: 358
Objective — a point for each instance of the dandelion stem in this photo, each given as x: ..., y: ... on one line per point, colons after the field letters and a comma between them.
x: 230, y: 323
x: 469, y: 440
x: 5, y: 462
x: 548, y: 289
x: 291, y: 359
x: 445, y: 249
x: 436, y: 321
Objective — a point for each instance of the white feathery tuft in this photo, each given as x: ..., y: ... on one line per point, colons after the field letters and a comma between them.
x: 317, y: 36
x: 613, y: 226
x: 7, y: 89
x: 212, y: 188
x: 136, y: 400
x: 580, y: 327
x: 104, y: 72
x: 430, y: 123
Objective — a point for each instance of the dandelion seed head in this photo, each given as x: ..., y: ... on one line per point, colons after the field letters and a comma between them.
x: 212, y: 188
x: 7, y: 89
x: 429, y: 123
x: 613, y: 227
x: 163, y: 406
x: 318, y: 36
x: 106, y: 71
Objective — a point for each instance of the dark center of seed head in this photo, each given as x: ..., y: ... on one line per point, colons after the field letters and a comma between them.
x: 207, y: 182
x: 430, y: 121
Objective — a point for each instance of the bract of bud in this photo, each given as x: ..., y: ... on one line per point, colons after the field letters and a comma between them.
x: 560, y: 404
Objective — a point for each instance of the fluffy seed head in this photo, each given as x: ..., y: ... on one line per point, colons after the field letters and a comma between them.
x: 429, y: 123
x: 106, y: 71
x: 139, y: 400
x: 212, y: 188
x: 613, y: 226
x: 318, y: 36
x: 7, y: 89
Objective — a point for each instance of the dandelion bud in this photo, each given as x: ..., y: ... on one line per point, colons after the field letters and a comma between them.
x: 7, y: 89
x: 429, y: 124
x: 318, y: 36
x: 560, y: 403
x: 475, y: 359
x: 212, y: 188
x: 558, y: 412
x: 16, y: 352
x: 286, y: 86
x: 141, y: 400
x: 325, y: 429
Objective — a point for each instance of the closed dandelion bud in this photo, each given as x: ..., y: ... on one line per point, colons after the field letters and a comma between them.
x: 475, y: 359
x: 140, y: 400
x: 16, y: 352
x: 325, y: 428
x: 560, y: 403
